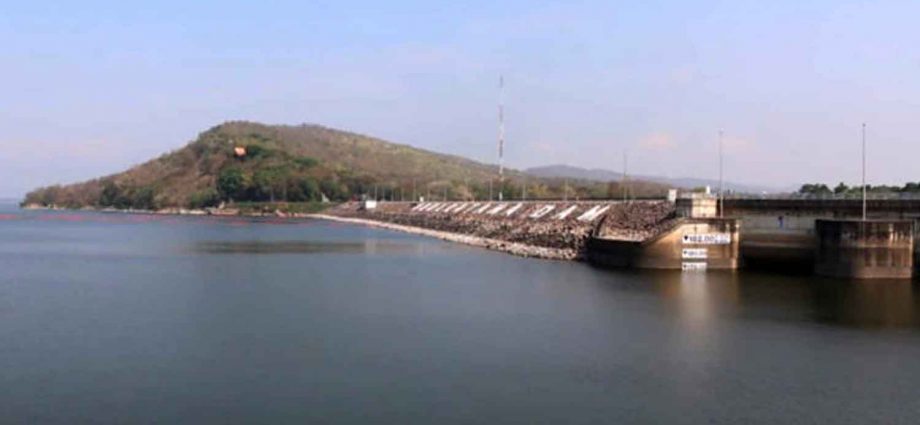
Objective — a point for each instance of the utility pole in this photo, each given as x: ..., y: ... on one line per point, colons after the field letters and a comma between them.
x: 721, y: 193
x: 864, y: 206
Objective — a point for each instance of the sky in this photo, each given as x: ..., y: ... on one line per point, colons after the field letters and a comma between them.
x: 91, y: 88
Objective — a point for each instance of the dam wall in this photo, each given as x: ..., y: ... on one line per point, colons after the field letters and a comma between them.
x: 690, y: 245
x: 682, y: 235
x: 548, y: 224
x: 784, y: 233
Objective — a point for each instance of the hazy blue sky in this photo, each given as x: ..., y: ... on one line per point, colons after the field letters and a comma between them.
x: 91, y: 87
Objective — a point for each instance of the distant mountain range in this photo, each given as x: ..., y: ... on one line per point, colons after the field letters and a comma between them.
x: 597, y: 174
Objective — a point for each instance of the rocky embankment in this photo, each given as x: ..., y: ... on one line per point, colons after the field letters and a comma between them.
x: 537, y: 229
x: 637, y: 221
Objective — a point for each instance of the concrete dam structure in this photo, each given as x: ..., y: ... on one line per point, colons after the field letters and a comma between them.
x: 641, y: 234
x: 823, y: 236
x: 829, y: 235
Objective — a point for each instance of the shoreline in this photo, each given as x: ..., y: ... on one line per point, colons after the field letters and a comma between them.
x: 210, y: 212
x: 513, y: 248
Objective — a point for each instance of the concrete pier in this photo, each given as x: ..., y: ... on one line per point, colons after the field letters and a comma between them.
x: 875, y: 249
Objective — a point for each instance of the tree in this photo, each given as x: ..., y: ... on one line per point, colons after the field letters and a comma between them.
x: 254, y: 151
x: 911, y: 187
x: 306, y: 162
x: 231, y: 183
x: 303, y: 189
x: 50, y: 195
x: 841, y: 189
x: 334, y: 190
x: 110, y: 194
x: 261, y: 186
x: 270, y: 183
x: 815, y: 189
x: 204, y: 198
x: 143, y: 198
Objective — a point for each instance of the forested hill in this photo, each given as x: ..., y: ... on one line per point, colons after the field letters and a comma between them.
x: 245, y: 161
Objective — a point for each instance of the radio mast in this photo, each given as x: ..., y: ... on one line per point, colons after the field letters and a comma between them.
x: 501, y: 134
x: 864, y: 206
x: 721, y: 199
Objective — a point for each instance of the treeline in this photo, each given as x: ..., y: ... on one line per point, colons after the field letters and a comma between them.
x: 513, y: 189
x: 844, y: 190
x: 271, y: 185
x: 128, y: 197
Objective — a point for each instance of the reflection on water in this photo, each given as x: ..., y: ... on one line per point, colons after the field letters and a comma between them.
x: 698, y: 298
x: 201, y: 320
x: 300, y: 247
x: 866, y: 303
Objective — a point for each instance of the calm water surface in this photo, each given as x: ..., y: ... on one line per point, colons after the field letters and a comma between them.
x: 113, y: 318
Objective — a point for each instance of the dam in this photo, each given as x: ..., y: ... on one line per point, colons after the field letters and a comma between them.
x: 829, y: 236
x: 693, y: 232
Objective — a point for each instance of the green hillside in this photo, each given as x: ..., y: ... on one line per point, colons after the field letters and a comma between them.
x: 302, y: 164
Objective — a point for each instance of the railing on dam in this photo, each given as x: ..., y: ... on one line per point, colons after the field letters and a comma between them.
x: 887, y: 196
x: 901, y: 207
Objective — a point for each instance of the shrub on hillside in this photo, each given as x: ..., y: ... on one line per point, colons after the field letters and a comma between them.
x: 231, y: 184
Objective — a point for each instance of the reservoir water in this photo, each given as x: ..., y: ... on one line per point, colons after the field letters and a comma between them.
x: 116, y: 318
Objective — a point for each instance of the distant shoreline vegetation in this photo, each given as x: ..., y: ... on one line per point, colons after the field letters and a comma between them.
x: 842, y: 189
x: 243, y: 162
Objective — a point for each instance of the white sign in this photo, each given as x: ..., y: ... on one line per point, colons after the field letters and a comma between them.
x: 694, y: 253
x: 708, y: 239
x: 693, y: 267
